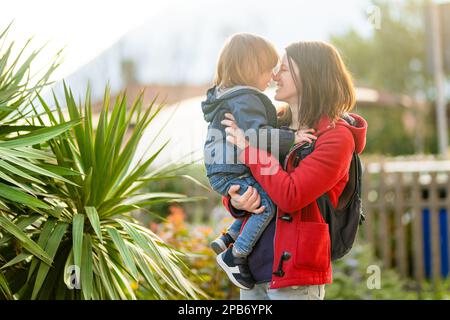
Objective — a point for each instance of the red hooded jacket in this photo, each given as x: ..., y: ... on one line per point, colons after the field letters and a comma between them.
x: 294, y: 191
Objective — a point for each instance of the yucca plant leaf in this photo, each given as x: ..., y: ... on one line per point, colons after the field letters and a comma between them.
x: 106, y: 190
x: 36, y: 169
x: 138, y: 172
x: 21, y: 222
x: 12, y: 194
x: 153, y: 195
x: 16, y: 183
x: 7, y: 129
x: 19, y: 258
x: 9, y: 167
x: 181, y: 176
x: 94, y: 219
x: 124, y: 251
x: 38, y: 136
x: 52, y: 246
x: 105, y: 276
x: 4, y: 288
x: 60, y: 171
x: 149, y: 276
x: 87, y: 276
x: 77, y: 238
x: 28, y: 153
x: 151, y: 249
x: 87, y: 186
x: 55, y: 276
x: 46, y: 231
x: 121, y: 282
x: 29, y: 244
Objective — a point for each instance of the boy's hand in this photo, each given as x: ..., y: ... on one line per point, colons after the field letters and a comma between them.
x: 302, y: 136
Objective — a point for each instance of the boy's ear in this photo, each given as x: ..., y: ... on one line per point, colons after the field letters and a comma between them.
x: 280, y: 112
x: 283, y: 116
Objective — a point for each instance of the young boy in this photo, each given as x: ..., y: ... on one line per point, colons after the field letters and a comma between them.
x: 243, y: 72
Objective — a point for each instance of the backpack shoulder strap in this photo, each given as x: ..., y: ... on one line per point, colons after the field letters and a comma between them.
x: 353, y: 185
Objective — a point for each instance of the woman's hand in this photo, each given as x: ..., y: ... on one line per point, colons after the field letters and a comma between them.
x: 235, y: 135
x: 302, y: 136
x: 249, y: 201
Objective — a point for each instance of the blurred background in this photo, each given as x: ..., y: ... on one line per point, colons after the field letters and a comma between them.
x: 398, y: 53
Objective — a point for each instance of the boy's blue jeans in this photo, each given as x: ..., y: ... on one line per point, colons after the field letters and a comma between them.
x: 254, y: 227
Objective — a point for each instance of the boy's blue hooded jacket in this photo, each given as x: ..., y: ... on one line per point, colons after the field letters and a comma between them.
x: 252, y: 110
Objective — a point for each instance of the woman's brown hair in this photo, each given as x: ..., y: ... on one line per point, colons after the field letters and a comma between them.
x: 324, y: 85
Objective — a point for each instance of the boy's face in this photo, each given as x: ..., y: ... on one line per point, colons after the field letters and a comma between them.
x: 264, y: 80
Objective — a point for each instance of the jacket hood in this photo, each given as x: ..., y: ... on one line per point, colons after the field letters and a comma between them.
x: 215, y: 97
x: 210, y: 105
x: 356, y: 124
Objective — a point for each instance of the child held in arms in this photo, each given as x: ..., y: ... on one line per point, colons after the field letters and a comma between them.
x: 245, y: 67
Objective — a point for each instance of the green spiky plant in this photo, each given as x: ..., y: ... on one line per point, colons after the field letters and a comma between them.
x: 66, y: 224
x: 21, y: 165
x: 17, y: 87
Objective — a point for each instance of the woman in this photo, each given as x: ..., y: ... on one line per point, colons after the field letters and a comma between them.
x: 292, y: 258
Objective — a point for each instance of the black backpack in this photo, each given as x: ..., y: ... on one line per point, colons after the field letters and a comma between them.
x: 343, y: 221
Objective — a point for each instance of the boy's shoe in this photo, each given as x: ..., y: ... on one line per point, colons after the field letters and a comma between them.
x: 221, y: 243
x: 236, y: 269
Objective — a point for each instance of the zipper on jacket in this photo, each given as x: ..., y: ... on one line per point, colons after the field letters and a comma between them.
x: 288, y: 155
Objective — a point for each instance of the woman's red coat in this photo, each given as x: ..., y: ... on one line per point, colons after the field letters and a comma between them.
x: 295, y: 190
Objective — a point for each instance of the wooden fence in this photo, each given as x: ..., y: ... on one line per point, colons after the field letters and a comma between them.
x: 406, y: 205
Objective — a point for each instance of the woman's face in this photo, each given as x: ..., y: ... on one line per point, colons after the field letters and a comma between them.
x: 286, y: 90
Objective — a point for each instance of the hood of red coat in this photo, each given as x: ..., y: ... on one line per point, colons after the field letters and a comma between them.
x: 358, y: 127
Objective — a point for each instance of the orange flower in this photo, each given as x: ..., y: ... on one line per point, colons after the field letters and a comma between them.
x: 176, y: 217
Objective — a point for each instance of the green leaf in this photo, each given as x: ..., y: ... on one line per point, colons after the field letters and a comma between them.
x: 52, y: 247
x: 149, y: 276
x: 21, y: 223
x: 14, y: 195
x: 92, y: 214
x: 87, y: 276
x: 105, y: 276
x: 59, y: 170
x: 121, y: 282
x: 153, y: 195
x: 5, y: 165
x: 137, y: 173
x: 124, y: 251
x: 36, y: 169
x: 38, y: 136
x: 21, y: 257
x: 4, y: 288
x: 46, y: 230
x: 77, y: 237
x: 152, y: 254
x: 29, y: 244
x: 27, y: 153
x: 183, y: 176
x: 16, y: 183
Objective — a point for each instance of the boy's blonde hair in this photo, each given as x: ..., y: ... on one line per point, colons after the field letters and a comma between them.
x: 242, y: 60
